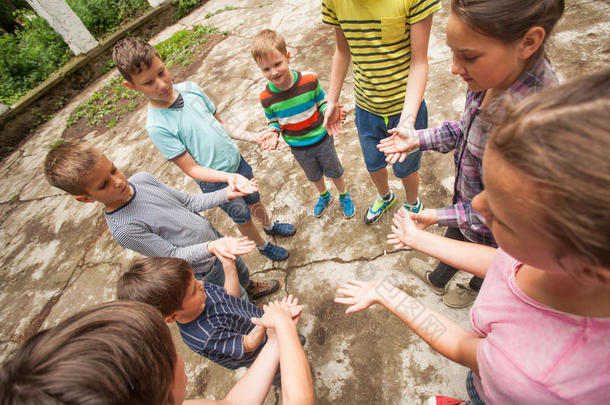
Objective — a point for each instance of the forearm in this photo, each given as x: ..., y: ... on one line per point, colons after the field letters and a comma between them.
x: 416, y: 85
x: 253, y: 339
x: 470, y: 257
x: 205, y: 174
x: 341, y: 61
x: 297, y: 385
x: 205, y: 201
x: 235, y: 131
x: 253, y: 387
x: 231, y: 283
x: 442, y: 334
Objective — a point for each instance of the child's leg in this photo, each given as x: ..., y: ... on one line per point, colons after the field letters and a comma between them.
x: 260, y: 213
x: 249, y: 229
x: 340, y: 184
x: 411, y: 185
x: 320, y: 185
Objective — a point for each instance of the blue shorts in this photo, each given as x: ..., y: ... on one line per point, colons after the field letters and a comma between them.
x: 373, y: 128
x: 237, y: 208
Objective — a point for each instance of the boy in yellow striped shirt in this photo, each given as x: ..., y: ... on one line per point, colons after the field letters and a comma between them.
x: 387, y: 40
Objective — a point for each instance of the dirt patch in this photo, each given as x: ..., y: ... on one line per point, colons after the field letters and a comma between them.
x: 126, y: 107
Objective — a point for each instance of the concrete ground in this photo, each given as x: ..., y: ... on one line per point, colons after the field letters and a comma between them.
x: 57, y: 257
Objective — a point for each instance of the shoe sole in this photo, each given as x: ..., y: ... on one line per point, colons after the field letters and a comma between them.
x: 427, y: 282
x: 457, y: 306
x: 324, y: 210
x: 257, y: 296
x: 380, y: 215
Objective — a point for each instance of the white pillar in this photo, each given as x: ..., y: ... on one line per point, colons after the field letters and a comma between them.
x: 67, y: 24
x: 155, y: 3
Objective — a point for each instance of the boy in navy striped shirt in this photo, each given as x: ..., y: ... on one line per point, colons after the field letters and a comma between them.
x: 294, y: 104
x: 212, y: 320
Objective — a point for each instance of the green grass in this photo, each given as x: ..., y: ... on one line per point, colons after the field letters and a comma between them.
x: 178, y: 48
x: 220, y: 10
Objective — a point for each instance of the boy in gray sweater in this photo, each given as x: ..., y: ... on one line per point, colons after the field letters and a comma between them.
x: 151, y: 218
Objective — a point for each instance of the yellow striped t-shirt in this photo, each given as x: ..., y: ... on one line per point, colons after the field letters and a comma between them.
x: 378, y: 33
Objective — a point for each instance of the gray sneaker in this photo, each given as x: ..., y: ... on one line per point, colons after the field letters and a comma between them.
x: 422, y: 271
x: 461, y: 296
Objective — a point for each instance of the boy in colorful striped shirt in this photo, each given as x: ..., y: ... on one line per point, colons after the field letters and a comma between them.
x: 294, y: 104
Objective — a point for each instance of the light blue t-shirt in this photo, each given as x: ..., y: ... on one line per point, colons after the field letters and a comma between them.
x: 193, y: 128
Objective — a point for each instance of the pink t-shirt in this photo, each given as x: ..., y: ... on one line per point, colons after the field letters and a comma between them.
x: 533, y: 354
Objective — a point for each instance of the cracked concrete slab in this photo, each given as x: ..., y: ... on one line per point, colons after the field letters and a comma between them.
x: 58, y: 257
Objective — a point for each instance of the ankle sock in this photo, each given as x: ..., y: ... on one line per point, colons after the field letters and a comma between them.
x: 342, y: 195
x: 264, y: 246
x: 387, y: 196
x: 413, y: 203
x: 325, y: 195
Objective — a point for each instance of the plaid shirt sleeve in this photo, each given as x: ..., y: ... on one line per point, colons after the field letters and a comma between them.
x: 460, y: 215
x: 442, y: 139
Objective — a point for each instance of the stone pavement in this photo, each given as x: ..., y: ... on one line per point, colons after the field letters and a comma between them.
x: 57, y: 257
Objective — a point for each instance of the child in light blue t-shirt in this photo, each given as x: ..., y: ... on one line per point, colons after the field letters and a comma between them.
x: 184, y: 125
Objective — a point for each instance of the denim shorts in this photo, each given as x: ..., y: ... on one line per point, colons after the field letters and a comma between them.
x: 237, y: 208
x: 216, y: 275
x: 320, y: 159
x: 473, y: 395
x: 373, y: 128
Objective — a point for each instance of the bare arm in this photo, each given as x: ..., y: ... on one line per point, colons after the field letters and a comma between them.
x: 470, y: 257
x: 231, y: 283
x: 236, y: 132
x: 418, y: 72
x: 253, y: 387
x: 341, y: 61
x: 190, y: 167
x: 254, y: 339
x: 442, y: 334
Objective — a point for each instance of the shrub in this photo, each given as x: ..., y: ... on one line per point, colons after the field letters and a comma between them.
x: 105, y: 16
x: 29, y: 57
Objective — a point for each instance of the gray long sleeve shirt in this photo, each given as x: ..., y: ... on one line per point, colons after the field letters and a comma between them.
x: 159, y: 221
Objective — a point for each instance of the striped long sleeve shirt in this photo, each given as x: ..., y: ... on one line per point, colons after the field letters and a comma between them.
x: 217, y: 333
x: 297, y: 113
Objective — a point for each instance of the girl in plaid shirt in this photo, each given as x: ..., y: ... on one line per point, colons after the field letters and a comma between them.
x: 498, y: 50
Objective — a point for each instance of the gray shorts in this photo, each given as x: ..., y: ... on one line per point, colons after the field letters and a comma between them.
x: 320, y: 159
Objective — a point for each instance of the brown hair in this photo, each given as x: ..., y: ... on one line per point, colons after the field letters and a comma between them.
x: 158, y: 281
x: 67, y: 166
x: 509, y: 20
x: 113, y: 353
x: 265, y: 42
x: 131, y: 55
x: 559, y: 140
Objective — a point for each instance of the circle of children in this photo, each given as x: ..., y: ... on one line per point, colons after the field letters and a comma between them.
x: 529, y: 218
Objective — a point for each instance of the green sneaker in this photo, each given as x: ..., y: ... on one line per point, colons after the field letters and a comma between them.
x: 375, y: 211
x: 414, y: 208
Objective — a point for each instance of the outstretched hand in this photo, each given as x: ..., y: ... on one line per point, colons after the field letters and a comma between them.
x: 251, y: 187
x: 278, y: 312
x: 359, y: 295
x: 229, y: 248
x: 268, y: 139
x: 398, y: 146
x: 239, y: 183
x: 407, y: 225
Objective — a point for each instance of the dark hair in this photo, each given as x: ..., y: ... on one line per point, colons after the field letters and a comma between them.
x: 558, y: 138
x: 131, y: 55
x: 68, y: 164
x: 158, y: 281
x: 110, y: 354
x: 509, y: 20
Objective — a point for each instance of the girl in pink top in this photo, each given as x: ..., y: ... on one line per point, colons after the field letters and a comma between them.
x: 541, y: 323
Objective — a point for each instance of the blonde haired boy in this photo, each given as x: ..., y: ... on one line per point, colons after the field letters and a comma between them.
x: 295, y: 104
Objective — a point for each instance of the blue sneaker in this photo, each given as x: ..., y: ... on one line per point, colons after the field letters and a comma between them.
x: 414, y: 208
x: 347, y: 204
x: 274, y: 252
x: 281, y: 228
x: 321, y: 205
x: 375, y: 211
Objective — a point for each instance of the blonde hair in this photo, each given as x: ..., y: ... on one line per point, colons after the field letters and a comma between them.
x: 131, y: 55
x: 559, y: 140
x: 265, y: 42
x: 67, y: 166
